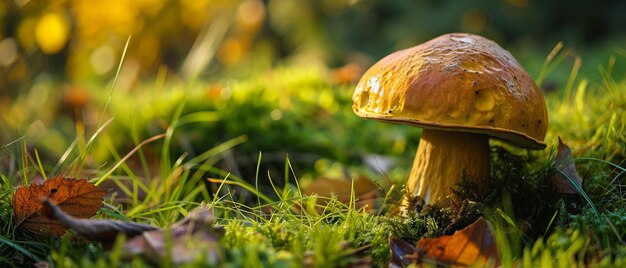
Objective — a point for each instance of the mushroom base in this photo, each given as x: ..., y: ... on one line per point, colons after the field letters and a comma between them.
x: 442, y: 159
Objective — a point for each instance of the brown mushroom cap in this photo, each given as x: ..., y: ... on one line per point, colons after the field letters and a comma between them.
x: 456, y: 82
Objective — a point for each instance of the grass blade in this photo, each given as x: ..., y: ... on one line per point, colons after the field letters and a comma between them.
x: 111, y: 170
x: 580, y: 190
x: 19, y: 248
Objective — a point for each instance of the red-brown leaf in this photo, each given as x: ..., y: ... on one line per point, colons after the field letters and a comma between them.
x: 77, y: 197
x: 475, y: 244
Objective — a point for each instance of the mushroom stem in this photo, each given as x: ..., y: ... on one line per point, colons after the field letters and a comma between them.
x: 442, y: 159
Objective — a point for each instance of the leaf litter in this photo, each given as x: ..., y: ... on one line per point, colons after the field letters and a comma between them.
x: 475, y: 244
x: 55, y: 205
x: 186, y: 241
x: 105, y: 231
x: 194, y: 238
x: 77, y: 197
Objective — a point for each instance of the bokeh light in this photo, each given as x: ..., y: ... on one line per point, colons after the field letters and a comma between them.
x: 52, y: 32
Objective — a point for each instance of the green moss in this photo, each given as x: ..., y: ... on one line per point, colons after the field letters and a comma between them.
x: 609, y: 229
x: 314, y: 240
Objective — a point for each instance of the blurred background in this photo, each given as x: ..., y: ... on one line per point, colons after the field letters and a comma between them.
x: 77, y: 41
x: 58, y: 59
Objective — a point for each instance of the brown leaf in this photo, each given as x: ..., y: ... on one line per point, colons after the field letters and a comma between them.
x: 77, y: 197
x: 365, y: 191
x: 565, y: 168
x: 473, y: 244
x: 104, y: 231
x: 191, y: 238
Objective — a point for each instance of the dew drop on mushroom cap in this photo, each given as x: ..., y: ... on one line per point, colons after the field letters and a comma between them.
x: 461, y: 89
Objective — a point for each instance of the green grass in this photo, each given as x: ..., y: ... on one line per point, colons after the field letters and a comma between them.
x: 160, y: 146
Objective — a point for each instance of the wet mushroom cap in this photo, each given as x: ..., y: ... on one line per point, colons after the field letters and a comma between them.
x: 455, y: 82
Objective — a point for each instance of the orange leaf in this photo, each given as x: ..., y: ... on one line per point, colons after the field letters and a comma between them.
x: 473, y: 244
x: 78, y: 198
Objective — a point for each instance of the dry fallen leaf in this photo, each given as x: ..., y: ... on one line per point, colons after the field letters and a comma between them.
x: 191, y: 238
x: 104, y: 231
x: 77, y: 197
x: 473, y: 244
x: 565, y: 168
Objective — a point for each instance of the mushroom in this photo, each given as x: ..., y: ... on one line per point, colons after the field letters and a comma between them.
x: 461, y: 89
